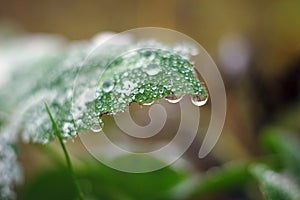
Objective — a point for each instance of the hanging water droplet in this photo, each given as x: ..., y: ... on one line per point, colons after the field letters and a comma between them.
x: 98, y: 126
x: 199, y: 100
x: 148, y: 103
x: 108, y: 85
x: 195, y: 72
x: 174, y: 98
x: 152, y: 69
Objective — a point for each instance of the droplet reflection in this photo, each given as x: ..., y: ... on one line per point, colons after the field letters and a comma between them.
x: 199, y: 100
x: 174, y: 98
x: 108, y: 85
x: 98, y: 126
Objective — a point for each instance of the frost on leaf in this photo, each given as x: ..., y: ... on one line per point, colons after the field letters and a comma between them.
x: 79, y: 86
x: 140, y: 76
x: 19, y: 69
x: 10, y: 172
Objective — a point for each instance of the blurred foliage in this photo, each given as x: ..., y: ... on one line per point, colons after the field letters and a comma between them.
x: 275, y: 186
x: 285, y: 144
x: 100, y: 182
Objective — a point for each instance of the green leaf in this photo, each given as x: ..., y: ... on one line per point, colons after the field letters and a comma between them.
x: 160, y: 74
x: 273, y: 185
x: 140, y: 76
x: 50, y: 77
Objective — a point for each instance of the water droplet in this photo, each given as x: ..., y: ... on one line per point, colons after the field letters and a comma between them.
x: 98, y: 126
x: 199, y: 100
x: 147, y: 53
x: 152, y: 69
x: 174, y: 98
x: 108, y: 85
x: 148, y: 103
x: 196, y: 74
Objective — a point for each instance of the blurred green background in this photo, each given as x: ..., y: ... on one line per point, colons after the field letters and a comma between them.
x: 256, y: 45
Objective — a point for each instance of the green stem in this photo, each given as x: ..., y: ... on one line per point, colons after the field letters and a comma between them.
x: 70, y: 167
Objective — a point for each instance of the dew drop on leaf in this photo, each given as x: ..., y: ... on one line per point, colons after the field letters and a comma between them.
x: 98, y: 126
x: 141, y: 90
x: 199, y: 100
x: 108, y: 85
x: 152, y: 69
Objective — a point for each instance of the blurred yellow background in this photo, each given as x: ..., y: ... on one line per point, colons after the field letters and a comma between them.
x: 271, y: 26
